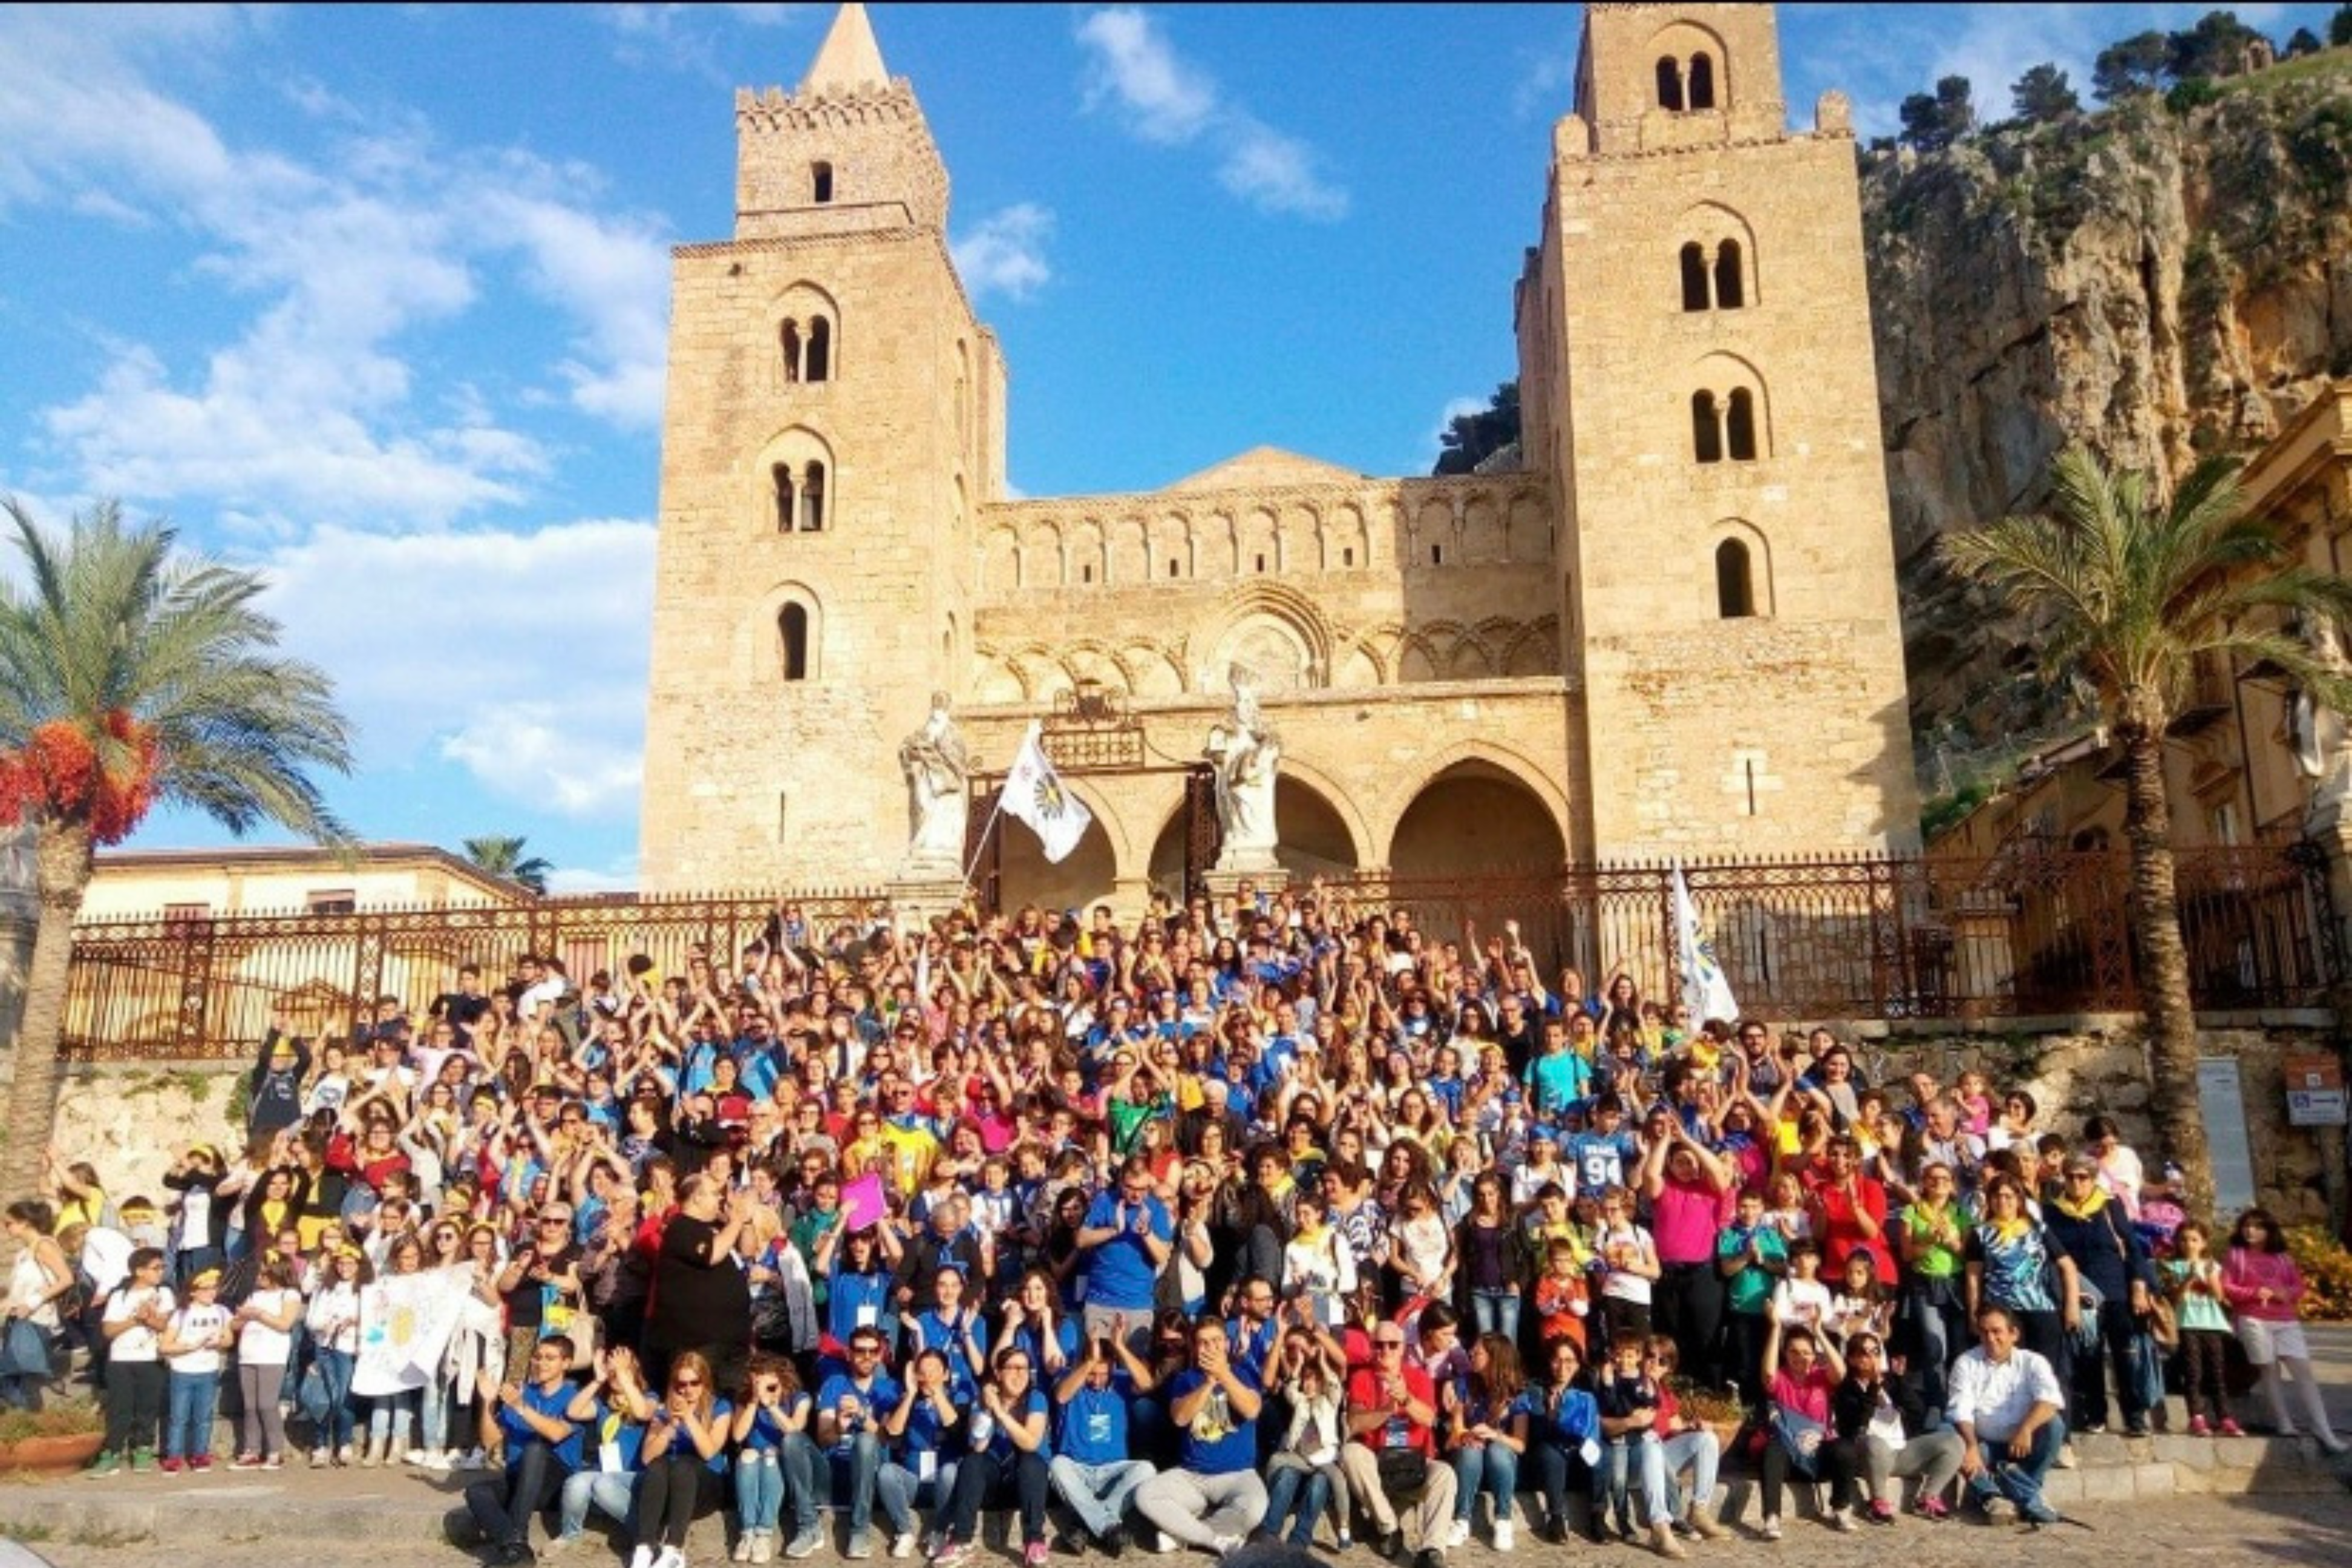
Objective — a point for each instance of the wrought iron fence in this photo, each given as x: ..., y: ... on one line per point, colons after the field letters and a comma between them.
x: 192, y: 988
x: 2027, y: 932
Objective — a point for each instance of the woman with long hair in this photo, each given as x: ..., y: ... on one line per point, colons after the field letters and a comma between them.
x: 1485, y: 1243
x: 1485, y: 1434
x: 776, y: 1460
x: 2265, y: 1290
x: 684, y: 1448
x: 2010, y: 1262
x: 334, y: 1324
x: 1010, y: 1451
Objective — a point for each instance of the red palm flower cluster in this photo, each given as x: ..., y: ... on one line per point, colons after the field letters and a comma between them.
x: 58, y: 774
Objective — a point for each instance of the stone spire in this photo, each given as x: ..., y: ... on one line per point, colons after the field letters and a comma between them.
x: 849, y: 58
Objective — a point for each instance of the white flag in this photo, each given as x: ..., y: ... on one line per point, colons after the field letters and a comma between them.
x: 1706, y: 990
x: 1034, y: 793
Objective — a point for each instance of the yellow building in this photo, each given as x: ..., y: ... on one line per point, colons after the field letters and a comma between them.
x: 196, y: 884
x: 1672, y: 629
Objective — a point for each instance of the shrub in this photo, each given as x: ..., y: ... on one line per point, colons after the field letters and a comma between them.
x: 2327, y: 1272
x: 68, y: 1420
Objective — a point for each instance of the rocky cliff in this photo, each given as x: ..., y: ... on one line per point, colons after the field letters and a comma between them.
x: 2158, y: 284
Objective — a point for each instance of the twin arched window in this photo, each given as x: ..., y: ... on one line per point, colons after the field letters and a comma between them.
x: 806, y: 350
x: 1690, y: 85
x: 1719, y: 286
x: 799, y: 497
x: 1724, y: 427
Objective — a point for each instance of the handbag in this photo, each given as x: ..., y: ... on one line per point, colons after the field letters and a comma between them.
x: 1800, y: 1437
x: 1404, y: 1474
x: 26, y: 1351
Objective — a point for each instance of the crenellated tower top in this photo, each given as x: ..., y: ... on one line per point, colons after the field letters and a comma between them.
x: 848, y: 151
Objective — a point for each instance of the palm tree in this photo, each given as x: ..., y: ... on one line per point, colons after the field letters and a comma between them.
x: 132, y: 673
x: 2136, y: 592
x: 504, y: 858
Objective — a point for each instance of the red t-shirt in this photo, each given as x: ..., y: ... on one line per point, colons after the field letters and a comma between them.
x: 1365, y: 1392
x: 1841, y: 1233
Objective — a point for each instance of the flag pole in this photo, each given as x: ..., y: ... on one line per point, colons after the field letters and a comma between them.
x: 995, y: 812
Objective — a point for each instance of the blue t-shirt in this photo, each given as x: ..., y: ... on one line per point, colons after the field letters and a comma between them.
x: 854, y: 1301
x: 615, y: 1431
x: 680, y: 1443
x: 877, y: 1399
x: 1601, y: 1158
x: 1557, y: 1082
x: 768, y: 1431
x: 1094, y: 1426
x: 1027, y: 1337
x: 520, y: 1434
x: 1250, y: 1351
x: 932, y: 1333
x: 1119, y: 1273
x: 1217, y: 1441
x: 1000, y: 1443
x: 929, y: 1433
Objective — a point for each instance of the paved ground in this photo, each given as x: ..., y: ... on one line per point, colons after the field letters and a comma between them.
x: 386, y: 1518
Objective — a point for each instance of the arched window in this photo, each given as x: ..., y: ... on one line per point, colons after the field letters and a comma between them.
x: 1735, y: 581
x: 1706, y: 433
x: 1694, y: 276
x: 812, y: 498
x: 1730, y: 291
x: 793, y: 628
x: 788, y: 344
x: 1670, y: 83
x: 817, y: 362
x: 1739, y: 425
x: 782, y: 476
x: 1702, y: 82
x: 821, y: 183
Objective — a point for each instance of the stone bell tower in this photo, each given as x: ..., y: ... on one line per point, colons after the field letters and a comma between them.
x: 834, y: 420
x: 1697, y: 380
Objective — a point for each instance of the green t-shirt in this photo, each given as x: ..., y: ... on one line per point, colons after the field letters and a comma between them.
x: 1751, y: 1290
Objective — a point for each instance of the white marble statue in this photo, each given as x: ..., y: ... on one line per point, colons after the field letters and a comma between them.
x: 1247, y: 754
x: 938, y: 791
x: 2323, y: 746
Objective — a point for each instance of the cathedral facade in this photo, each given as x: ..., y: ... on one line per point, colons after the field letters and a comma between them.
x: 1669, y: 628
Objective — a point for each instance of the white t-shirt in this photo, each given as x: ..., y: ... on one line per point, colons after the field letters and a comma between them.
x: 258, y: 1344
x: 137, y: 1343
x: 197, y: 1324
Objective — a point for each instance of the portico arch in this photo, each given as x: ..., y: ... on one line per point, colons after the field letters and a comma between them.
x: 1321, y: 833
x: 1087, y: 875
x: 1474, y: 815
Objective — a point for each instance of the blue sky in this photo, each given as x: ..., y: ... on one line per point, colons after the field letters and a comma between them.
x: 373, y: 299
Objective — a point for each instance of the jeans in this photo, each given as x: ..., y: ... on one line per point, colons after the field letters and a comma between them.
x: 900, y: 1489
x: 134, y: 1405
x: 1933, y: 1456
x: 1932, y: 1327
x: 1496, y: 1312
x: 2019, y: 1481
x: 612, y: 1493
x: 765, y: 1478
x: 981, y: 1478
x: 390, y: 1417
x: 1490, y: 1466
x: 1314, y: 1488
x: 188, y: 1429
x: 335, y: 1369
x: 1556, y: 1468
x: 433, y: 1416
x: 1700, y: 1452
x: 1098, y: 1494
x: 1636, y: 1461
x: 504, y: 1507
x: 2119, y: 1341
x: 855, y: 1474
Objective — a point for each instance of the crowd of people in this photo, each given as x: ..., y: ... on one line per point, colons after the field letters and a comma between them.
x: 1266, y: 1218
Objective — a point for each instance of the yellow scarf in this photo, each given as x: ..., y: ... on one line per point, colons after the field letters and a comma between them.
x: 2009, y: 1230
x: 2089, y: 1208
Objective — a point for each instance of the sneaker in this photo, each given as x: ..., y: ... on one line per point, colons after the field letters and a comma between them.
x: 2091, y: 1429
x: 2135, y: 1429
x: 1162, y: 1542
x: 2199, y: 1427
x: 671, y: 1557
x: 245, y: 1462
x: 902, y: 1545
x: 1458, y: 1533
x: 1345, y: 1543
x: 1505, y: 1535
x: 143, y: 1460
x: 861, y: 1546
x: 2230, y: 1428
x: 743, y: 1544
x: 171, y: 1463
x: 1881, y: 1512
x: 321, y: 1458
x: 1839, y: 1520
x: 1033, y: 1554
x: 438, y: 1462
x: 951, y: 1554
x: 475, y: 1461
x: 343, y: 1456
x: 1998, y: 1510
x: 2065, y: 1460
x: 200, y: 1462
x: 417, y: 1458
x: 105, y: 1462
x: 1770, y: 1528
x: 643, y: 1557
x: 804, y: 1544
x: 557, y: 1546
x: 1934, y: 1509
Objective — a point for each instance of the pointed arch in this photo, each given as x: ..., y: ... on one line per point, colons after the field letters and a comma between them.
x: 1476, y: 795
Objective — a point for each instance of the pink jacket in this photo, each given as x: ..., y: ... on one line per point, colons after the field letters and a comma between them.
x: 2247, y: 1272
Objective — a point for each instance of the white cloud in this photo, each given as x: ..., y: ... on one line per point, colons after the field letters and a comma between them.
x: 1006, y: 253
x: 1164, y: 98
x: 306, y: 409
x: 1455, y: 408
x: 1547, y: 86
x: 518, y: 656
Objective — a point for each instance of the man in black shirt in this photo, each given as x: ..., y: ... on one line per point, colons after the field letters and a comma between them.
x: 702, y: 1299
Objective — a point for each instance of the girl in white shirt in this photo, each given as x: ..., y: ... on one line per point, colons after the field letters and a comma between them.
x: 265, y: 1338
x: 136, y: 1312
x: 192, y: 1344
x: 334, y: 1320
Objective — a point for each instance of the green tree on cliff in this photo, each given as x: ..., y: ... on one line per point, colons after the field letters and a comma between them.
x: 133, y: 673
x: 2137, y: 592
x: 2218, y: 45
x: 2339, y: 27
x: 2043, y: 95
x: 2130, y: 66
x: 1933, y: 122
x: 1469, y: 439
